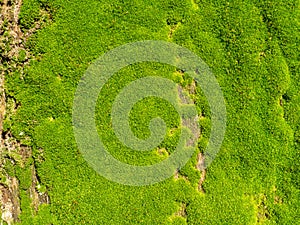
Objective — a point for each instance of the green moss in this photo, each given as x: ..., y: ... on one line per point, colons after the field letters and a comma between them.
x: 252, y: 48
x: 29, y: 13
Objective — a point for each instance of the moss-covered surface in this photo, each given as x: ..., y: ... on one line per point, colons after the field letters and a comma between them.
x: 252, y: 48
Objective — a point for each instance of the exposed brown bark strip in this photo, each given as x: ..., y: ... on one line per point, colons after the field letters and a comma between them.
x: 10, y: 204
x: 2, y: 106
x: 37, y: 197
x: 201, y: 168
x: 12, y: 40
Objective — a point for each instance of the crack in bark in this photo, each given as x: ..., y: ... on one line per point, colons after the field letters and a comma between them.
x: 192, y: 124
x: 201, y: 168
x: 38, y: 197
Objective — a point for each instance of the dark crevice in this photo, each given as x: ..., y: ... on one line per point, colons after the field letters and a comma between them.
x: 286, y: 97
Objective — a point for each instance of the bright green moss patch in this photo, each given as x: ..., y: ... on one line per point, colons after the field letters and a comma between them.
x: 252, y: 48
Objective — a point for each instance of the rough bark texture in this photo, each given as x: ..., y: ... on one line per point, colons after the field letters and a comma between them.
x: 12, y: 40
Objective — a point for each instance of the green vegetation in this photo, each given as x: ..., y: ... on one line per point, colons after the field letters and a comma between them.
x: 252, y: 48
